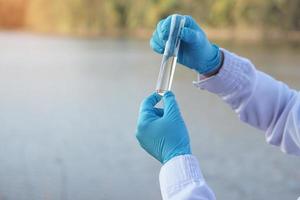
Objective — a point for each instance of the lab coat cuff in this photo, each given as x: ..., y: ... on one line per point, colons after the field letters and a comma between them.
x: 231, y: 77
x: 178, y: 172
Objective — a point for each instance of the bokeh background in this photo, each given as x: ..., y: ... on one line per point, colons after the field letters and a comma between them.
x: 72, y: 76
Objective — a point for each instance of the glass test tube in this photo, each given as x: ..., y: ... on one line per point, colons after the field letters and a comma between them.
x: 169, y: 59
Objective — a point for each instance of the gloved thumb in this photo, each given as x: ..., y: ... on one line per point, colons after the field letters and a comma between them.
x: 163, y: 28
x: 149, y: 102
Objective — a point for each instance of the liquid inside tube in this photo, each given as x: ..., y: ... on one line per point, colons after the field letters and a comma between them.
x: 169, y: 59
x: 168, y: 69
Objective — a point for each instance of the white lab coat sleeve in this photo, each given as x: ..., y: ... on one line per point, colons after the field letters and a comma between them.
x: 259, y: 100
x: 181, y: 179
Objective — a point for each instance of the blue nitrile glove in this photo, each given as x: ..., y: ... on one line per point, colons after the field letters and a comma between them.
x: 162, y: 132
x: 195, y: 51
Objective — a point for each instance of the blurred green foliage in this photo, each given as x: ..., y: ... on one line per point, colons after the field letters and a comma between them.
x: 127, y: 16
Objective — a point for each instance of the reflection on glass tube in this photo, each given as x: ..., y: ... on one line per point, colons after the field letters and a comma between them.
x: 169, y: 59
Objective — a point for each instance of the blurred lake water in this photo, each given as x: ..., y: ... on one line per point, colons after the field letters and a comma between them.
x: 68, y: 110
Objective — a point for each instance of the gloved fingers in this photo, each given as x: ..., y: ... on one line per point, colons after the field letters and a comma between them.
x: 170, y: 103
x: 149, y: 102
x: 157, y: 47
x: 157, y: 41
x: 161, y: 32
x: 163, y: 28
x: 190, y: 36
x: 189, y: 22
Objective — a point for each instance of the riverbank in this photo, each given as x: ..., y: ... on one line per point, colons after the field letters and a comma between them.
x: 238, y: 34
x: 61, y: 98
x: 232, y: 35
x: 241, y: 34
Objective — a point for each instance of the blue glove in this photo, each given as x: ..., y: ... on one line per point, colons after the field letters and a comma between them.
x: 195, y: 51
x: 162, y: 132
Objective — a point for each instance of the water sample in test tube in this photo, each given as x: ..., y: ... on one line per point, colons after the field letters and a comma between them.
x: 169, y: 59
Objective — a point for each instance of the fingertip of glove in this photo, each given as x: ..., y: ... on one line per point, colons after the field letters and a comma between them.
x: 188, y: 20
x: 156, y: 96
x: 164, y: 28
x: 169, y: 94
x: 159, y: 50
x: 155, y: 47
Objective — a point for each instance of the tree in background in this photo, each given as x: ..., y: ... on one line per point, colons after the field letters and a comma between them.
x: 12, y: 13
x: 111, y: 17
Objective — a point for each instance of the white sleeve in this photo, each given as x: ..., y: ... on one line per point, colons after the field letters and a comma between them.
x: 181, y: 179
x: 259, y: 100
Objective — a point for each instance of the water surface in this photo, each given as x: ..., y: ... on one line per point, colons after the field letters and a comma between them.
x: 68, y: 110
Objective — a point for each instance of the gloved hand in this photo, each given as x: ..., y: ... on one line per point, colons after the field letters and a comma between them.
x: 162, y: 132
x: 195, y: 51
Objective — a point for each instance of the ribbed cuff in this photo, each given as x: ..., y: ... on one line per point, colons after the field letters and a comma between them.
x: 178, y: 172
x: 235, y: 73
